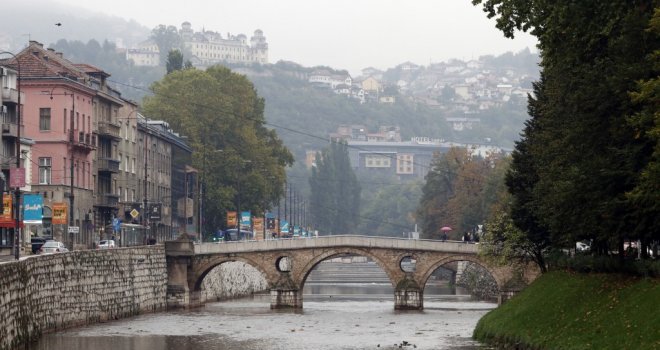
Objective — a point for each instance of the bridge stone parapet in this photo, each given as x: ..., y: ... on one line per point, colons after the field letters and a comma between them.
x: 286, y: 264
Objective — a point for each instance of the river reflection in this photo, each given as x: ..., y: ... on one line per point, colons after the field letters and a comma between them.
x: 351, y: 316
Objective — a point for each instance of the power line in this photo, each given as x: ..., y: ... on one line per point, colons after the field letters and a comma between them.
x: 304, y: 133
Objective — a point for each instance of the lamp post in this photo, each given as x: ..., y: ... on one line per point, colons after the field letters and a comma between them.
x: 238, y: 202
x: 71, y: 135
x: 17, y: 232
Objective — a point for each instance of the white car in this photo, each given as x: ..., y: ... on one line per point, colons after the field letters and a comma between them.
x: 51, y: 247
x: 106, y: 244
x: 582, y: 247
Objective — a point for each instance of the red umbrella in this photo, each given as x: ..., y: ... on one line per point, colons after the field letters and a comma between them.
x: 445, y: 228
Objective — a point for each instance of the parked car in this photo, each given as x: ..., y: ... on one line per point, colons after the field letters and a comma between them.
x: 38, y: 241
x: 582, y: 246
x: 106, y: 244
x: 51, y: 247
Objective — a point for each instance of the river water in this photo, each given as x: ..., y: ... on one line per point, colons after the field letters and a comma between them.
x: 334, y: 316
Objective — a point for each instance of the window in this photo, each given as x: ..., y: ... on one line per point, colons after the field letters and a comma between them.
x: 44, y: 119
x: 126, y: 169
x: 44, y: 170
x: 133, y: 166
x: 377, y: 161
x: 405, y: 163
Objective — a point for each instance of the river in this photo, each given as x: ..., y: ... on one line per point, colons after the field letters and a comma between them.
x: 334, y: 316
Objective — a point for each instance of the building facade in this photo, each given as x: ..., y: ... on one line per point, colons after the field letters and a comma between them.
x: 86, y: 147
x: 209, y: 48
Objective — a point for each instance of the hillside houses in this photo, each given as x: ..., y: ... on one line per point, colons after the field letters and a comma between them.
x: 463, y: 87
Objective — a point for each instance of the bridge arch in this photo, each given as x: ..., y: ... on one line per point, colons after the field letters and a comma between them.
x: 204, y: 268
x: 495, y: 273
x: 311, y: 264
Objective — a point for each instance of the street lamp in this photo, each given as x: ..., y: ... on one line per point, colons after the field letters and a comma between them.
x: 17, y: 233
x: 238, y: 206
x: 71, y: 135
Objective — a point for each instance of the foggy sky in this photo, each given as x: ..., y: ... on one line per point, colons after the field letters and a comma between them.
x: 343, y: 34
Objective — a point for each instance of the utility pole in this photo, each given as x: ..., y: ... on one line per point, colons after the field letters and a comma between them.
x: 71, y: 135
x: 144, y: 195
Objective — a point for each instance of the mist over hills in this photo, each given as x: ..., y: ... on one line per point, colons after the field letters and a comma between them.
x: 290, y: 99
x: 35, y: 20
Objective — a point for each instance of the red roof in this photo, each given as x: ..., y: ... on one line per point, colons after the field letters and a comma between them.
x: 37, y: 62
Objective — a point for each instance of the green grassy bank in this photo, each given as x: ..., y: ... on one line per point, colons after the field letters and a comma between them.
x: 564, y: 310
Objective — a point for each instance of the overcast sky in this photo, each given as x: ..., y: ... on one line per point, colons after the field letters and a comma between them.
x: 343, y: 34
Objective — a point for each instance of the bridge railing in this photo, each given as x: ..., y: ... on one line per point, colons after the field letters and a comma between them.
x: 355, y: 241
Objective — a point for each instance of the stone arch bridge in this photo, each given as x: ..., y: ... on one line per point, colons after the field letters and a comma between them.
x: 286, y: 264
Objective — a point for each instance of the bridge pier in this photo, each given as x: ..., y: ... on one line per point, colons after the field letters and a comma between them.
x: 179, y: 257
x: 285, y: 294
x: 408, y: 295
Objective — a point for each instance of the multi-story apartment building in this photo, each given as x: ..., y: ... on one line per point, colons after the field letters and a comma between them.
x: 58, y: 117
x: 87, y: 152
x: 10, y: 100
x: 385, y: 153
x: 168, y: 184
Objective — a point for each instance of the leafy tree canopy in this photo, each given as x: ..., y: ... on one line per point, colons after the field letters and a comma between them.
x: 222, y: 116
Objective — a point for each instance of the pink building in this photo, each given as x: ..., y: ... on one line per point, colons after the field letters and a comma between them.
x: 58, y: 116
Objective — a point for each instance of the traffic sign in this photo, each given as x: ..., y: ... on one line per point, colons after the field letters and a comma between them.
x: 74, y: 229
x: 135, y: 213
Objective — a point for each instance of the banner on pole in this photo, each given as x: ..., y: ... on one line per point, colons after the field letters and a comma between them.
x: 231, y: 219
x: 33, y: 208
x: 59, y: 213
x: 7, y: 202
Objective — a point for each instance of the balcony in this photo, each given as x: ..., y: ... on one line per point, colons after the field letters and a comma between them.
x: 107, y: 200
x: 10, y: 95
x: 108, y: 165
x: 83, y: 141
x: 109, y: 129
x: 11, y: 130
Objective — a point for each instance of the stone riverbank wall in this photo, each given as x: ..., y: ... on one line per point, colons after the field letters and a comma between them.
x: 52, y: 292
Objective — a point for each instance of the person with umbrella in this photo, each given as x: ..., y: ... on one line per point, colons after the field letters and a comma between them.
x: 444, y: 230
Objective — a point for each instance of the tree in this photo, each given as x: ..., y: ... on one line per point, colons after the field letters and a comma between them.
x: 335, y: 191
x: 584, y: 153
x: 174, y: 61
x: 460, y: 191
x: 238, y: 157
x: 167, y: 38
x: 391, y: 210
x: 646, y: 123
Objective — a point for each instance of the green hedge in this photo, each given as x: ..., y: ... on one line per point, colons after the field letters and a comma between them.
x: 587, y: 263
x: 565, y: 310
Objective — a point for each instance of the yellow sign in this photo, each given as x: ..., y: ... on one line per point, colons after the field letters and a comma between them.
x: 258, y: 227
x: 231, y: 219
x: 59, y: 214
x: 6, y: 208
x: 135, y: 213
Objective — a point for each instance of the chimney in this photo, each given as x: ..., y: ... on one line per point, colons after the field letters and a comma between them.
x: 51, y: 49
x: 34, y: 42
x: 59, y: 54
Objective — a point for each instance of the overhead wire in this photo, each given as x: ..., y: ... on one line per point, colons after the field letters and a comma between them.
x: 304, y: 133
